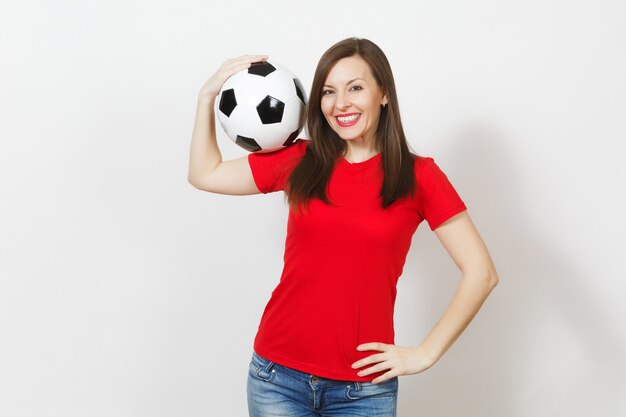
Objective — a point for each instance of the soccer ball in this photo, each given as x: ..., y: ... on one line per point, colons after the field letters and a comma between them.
x: 262, y: 108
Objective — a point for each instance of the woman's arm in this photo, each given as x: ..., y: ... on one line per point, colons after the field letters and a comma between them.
x: 468, y: 251
x: 207, y: 171
x: 463, y: 243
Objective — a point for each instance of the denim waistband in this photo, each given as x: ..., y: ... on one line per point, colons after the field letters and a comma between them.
x: 268, y: 365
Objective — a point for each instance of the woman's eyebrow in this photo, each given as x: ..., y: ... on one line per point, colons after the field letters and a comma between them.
x: 349, y: 82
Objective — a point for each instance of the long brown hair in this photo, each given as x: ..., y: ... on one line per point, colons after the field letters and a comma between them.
x: 309, y: 179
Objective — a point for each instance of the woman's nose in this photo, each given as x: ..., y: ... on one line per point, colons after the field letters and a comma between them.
x: 342, y: 101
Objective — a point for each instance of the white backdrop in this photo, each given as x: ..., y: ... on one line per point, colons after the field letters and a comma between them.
x: 124, y: 291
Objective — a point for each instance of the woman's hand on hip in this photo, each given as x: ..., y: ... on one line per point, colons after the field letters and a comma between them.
x: 397, y: 360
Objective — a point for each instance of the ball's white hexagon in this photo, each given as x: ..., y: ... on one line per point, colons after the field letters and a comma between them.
x: 283, y: 69
x: 278, y: 87
x: 293, y: 116
x: 244, y: 121
x: 251, y: 90
x: 272, y: 136
x: 231, y: 134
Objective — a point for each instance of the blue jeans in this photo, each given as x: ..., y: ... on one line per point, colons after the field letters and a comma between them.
x: 278, y: 391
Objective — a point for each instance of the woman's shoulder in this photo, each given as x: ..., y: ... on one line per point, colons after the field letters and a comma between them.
x: 298, y: 146
x: 301, y: 143
x: 421, y: 162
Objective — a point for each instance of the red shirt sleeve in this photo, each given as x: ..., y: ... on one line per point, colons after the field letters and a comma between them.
x: 271, y: 170
x: 438, y: 200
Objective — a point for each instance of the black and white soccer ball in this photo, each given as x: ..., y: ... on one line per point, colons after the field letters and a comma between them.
x: 262, y: 108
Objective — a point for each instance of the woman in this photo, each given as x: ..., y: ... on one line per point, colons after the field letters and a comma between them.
x: 325, y: 344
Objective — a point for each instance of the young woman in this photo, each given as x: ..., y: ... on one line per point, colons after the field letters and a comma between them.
x: 325, y: 343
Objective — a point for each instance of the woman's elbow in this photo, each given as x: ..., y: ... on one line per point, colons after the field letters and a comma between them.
x: 493, y: 279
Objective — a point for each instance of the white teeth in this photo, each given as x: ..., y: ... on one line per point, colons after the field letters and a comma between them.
x: 348, y: 119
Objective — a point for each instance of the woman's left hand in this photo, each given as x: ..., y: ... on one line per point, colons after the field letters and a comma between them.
x: 398, y: 360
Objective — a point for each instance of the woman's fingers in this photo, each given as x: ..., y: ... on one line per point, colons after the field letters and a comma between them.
x: 245, y: 58
x: 242, y: 62
x: 235, y: 65
x: 230, y: 67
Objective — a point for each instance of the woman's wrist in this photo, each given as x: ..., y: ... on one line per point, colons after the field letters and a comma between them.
x: 206, y: 98
x: 432, y: 354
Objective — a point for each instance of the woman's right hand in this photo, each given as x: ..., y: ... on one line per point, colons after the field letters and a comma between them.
x: 212, y: 87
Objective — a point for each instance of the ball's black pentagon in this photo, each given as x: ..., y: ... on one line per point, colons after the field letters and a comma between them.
x: 270, y: 110
x: 299, y: 90
x: 248, y: 144
x: 262, y: 68
x: 291, y: 137
x: 228, y: 102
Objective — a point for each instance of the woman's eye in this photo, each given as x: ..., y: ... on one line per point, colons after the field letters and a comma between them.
x: 325, y: 92
x: 358, y: 87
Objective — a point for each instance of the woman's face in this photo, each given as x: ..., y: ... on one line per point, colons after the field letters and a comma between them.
x: 351, y: 100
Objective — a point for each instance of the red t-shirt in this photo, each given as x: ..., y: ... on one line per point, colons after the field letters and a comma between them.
x: 341, y: 263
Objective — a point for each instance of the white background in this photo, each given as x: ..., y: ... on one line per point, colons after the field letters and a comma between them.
x: 124, y: 291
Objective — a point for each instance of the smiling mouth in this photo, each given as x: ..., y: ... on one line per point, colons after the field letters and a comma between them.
x: 348, y: 120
